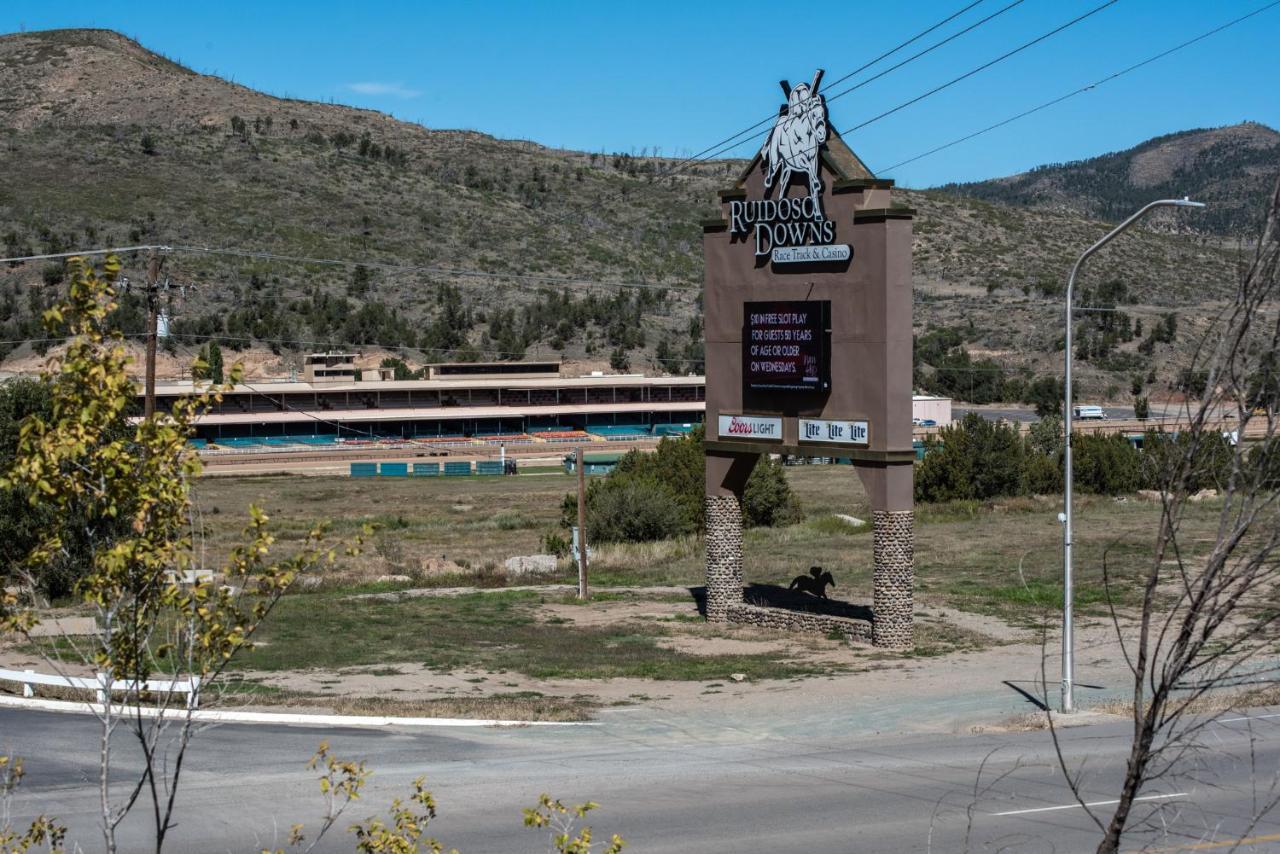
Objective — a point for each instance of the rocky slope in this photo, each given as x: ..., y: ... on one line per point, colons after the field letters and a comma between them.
x: 1230, y: 168
x: 104, y: 143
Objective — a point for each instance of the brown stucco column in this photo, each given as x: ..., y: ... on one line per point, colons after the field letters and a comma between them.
x: 889, y: 486
x: 726, y: 479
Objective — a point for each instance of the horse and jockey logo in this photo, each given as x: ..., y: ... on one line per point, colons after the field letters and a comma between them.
x: 795, y: 229
x: 795, y: 143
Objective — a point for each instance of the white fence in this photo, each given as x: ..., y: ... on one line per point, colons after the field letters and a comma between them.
x: 98, y: 684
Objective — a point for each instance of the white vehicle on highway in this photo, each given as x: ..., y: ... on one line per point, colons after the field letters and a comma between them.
x: 1089, y: 413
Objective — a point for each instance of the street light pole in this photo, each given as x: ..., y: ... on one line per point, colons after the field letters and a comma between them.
x: 1068, y: 637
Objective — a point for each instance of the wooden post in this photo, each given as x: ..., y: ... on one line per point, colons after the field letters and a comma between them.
x: 582, y: 524
x: 153, y: 308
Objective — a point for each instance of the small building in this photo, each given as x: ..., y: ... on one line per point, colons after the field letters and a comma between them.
x: 320, y: 368
x: 928, y: 408
x: 592, y: 463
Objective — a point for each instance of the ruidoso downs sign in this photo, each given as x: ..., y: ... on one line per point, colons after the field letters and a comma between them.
x: 792, y: 230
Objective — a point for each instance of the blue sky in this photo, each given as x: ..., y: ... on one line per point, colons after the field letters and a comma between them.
x: 681, y: 76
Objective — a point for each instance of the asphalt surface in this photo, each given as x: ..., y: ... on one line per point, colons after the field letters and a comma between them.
x: 1025, y: 415
x: 668, y: 786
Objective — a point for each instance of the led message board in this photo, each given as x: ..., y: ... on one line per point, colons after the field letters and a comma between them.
x: 785, y: 345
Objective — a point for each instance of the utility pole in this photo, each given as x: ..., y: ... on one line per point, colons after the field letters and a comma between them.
x: 582, y: 524
x: 1065, y: 517
x: 153, y: 310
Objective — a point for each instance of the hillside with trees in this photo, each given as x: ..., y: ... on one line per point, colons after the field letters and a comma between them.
x: 457, y: 245
x: 1230, y: 168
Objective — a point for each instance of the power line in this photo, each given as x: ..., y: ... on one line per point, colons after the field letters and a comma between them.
x: 117, y: 250
x: 718, y: 148
x: 421, y: 268
x: 982, y: 67
x: 924, y: 52
x: 288, y: 342
x: 1084, y: 88
x: 380, y: 265
x: 892, y: 68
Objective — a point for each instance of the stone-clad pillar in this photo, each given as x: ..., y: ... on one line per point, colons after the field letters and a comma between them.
x: 893, y: 577
x: 726, y: 475
x: 889, y: 486
x: 724, y: 555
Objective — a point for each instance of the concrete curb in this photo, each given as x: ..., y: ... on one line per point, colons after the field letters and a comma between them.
x: 282, y: 718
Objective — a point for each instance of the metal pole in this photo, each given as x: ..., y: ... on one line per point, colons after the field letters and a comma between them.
x: 582, y: 525
x: 153, y: 307
x: 1068, y: 633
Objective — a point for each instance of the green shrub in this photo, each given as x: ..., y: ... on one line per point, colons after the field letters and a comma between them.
x: 654, y: 496
x: 1043, y: 473
x: 555, y: 544
x: 1107, y: 465
x: 768, y: 500
x: 974, y: 459
x: 632, y: 509
x: 1265, y: 456
x: 511, y: 520
x: 1164, y: 455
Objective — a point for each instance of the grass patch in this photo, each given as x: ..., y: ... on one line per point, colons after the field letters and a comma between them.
x: 509, y: 705
x: 832, y: 525
x: 494, y: 631
x: 969, y: 555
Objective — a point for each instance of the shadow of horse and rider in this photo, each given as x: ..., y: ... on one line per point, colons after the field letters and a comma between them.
x: 806, y: 593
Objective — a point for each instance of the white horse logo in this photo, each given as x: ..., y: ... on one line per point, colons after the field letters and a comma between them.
x: 796, y: 140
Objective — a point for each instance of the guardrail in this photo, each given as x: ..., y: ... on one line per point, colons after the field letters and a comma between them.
x: 99, y: 683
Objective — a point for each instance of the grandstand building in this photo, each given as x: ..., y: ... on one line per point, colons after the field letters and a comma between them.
x: 493, y: 401
x: 459, y: 402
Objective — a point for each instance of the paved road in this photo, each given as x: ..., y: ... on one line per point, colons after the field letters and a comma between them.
x: 1027, y: 415
x: 673, y: 785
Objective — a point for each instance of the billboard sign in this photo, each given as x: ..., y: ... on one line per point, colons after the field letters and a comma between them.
x: 834, y: 432
x: 750, y: 427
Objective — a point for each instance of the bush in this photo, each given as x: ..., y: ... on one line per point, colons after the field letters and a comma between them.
x: 1107, y: 465
x: 975, y: 459
x: 768, y: 500
x: 1211, y: 461
x: 654, y: 496
x: 633, y: 510
x: 1265, y: 457
x: 1043, y: 473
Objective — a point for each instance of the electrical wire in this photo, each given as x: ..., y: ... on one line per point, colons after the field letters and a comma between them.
x: 421, y: 268
x: 380, y: 265
x: 1001, y: 58
x: 118, y: 250
x: 737, y: 136
x: 289, y: 342
x: 1085, y: 88
x: 829, y: 98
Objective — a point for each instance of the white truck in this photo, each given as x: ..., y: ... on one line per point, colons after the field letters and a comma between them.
x: 1088, y: 413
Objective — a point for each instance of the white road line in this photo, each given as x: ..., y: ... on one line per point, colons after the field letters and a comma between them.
x: 1090, y: 804
x: 1248, y: 718
x: 313, y: 720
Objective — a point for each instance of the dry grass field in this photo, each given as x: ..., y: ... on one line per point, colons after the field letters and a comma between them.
x: 999, y: 558
x: 987, y: 577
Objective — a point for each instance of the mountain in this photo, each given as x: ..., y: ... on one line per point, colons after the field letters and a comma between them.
x: 1231, y: 169
x: 104, y: 143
